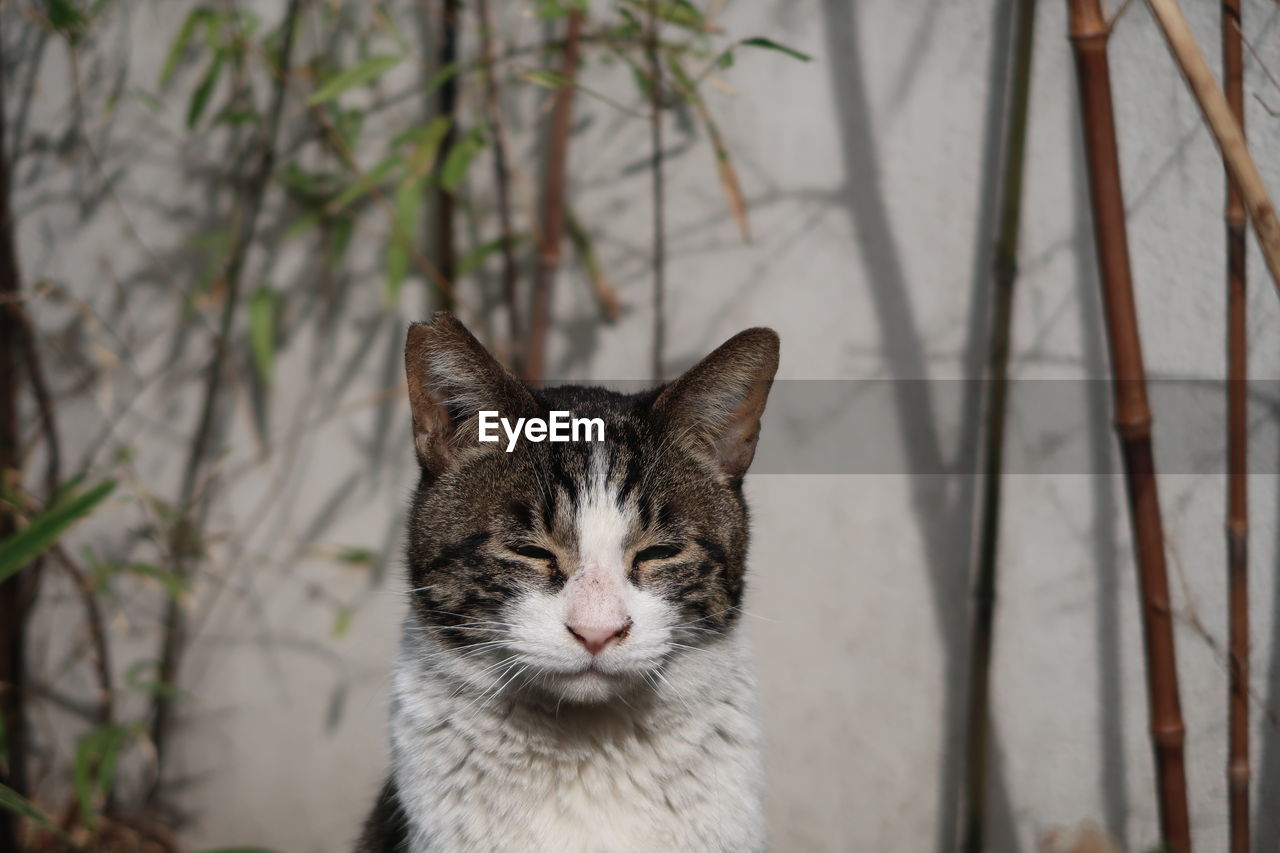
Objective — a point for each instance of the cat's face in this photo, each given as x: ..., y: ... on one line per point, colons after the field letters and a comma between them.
x: 579, y: 569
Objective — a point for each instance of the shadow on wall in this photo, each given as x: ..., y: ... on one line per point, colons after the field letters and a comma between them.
x: 943, y: 505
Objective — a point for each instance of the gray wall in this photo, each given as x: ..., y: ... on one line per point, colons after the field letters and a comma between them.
x: 870, y: 176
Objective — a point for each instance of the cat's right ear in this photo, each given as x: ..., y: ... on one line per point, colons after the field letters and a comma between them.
x: 452, y: 377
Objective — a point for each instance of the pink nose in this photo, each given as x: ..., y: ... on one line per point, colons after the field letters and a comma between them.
x: 596, y: 637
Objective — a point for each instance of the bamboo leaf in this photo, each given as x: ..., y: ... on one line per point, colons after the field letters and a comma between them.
x: 200, y: 97
x: 361, y: 75
x: 342, y: 622
x: 354, y: 556
x: 133, y: 677
x: 549, y: 79
x: 67, y: 20
x: 406, y: 221
x: 724, y: 163
x: 584, y: 248
x: 473, y: 260
x: 262, y: 332
x: 682, y: 13
x: 459, y: 158
x: 427, y: 144
x: 95, y: 767
x: 173, y: 583
x: 12, y: 801
x: 442, y: 75
x: 46, y: 528
x: 770, y: 44
x: 198, y: 16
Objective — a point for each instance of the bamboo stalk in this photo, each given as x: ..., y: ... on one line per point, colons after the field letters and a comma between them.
x: 1089, y: 31
x: 447, y: 105
x: 1226, y: 130
x: 1004, y: 275
x: 659, y: 193
x: 501, y: 176
x: 1237, y: 526
x: 552, y: 233
x: 184, y: 544
x: 15, y: 597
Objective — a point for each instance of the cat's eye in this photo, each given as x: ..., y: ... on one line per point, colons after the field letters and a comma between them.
x: 533, y: 552
x: 657, y: 552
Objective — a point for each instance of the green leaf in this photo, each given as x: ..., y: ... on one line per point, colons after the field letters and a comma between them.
x: 133, y: 677
x: 406, y: 221
x: 725, y: 60
x: 549, y: 79
x: 428, y: 139
x: 342, y: 622
x: 95, y: 767
x: 355, y: 556
x: 770, y: 44
x: 362, y: 185
x: 460, y: 156
x: 443, y: 75
x: 235, y: 117
x: 472, y: 260
x: 67, y: 20
x: 173, y: 583
x: 262, y: 332
x: 200, y: 97
x: 551, y: 10
x: 12, y: 801
x: 199, y: 16
x: 340, y: 237
x: 363, y: 74
x: 46, y: 528
x: 682, y: 13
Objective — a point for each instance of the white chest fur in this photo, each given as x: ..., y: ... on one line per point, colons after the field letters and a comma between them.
x: 680, y: 772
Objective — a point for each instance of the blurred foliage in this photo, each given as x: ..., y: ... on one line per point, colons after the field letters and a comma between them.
x: 347, y: 154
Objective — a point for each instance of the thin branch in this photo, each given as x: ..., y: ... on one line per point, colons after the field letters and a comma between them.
x: 185, y: 539
x: 447, y: 105
x: 1004, y: 275
x: 17, y: 592
x: 659, y: 193
x: 1226, y: 131
x: 553, y: 206
x: 501, y: 178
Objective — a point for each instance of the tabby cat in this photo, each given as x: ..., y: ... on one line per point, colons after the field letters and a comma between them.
x: 572, y: 675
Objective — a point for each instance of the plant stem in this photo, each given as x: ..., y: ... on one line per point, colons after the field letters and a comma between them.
x: 1237, y: 526
x: 185, y: 544
x: 1004, y: 275
x: 1089, y: 32
x: 447, y: 104
x: 659, y: 194
x: 553, y: 206
x: 501, y: 177
x: 1226, y: 130
x: 17, y: 592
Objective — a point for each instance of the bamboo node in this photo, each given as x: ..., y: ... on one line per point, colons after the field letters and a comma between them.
x: 1134, y: 426
x: 1168, y: 735
x: 1238, y: 771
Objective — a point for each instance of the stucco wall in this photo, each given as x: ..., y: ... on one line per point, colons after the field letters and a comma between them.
x: 870, y: 176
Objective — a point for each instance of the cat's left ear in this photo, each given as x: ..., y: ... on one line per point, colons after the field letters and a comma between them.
x: 721, y: 398
x: 451, y: 378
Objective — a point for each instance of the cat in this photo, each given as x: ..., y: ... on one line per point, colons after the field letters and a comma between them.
x: 572, y: 675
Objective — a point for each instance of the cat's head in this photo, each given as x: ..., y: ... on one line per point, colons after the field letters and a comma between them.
x: 578, y: 569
